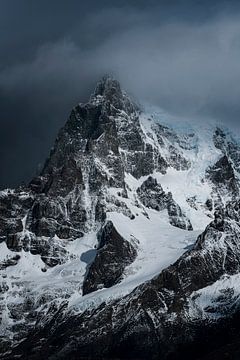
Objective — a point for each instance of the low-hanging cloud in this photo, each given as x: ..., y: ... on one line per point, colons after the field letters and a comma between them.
x: 187, y: 68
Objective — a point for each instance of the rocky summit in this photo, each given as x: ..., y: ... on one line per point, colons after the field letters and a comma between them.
x: 127, y: 243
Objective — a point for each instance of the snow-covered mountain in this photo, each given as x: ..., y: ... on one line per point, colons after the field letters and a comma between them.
x: 127, y: 244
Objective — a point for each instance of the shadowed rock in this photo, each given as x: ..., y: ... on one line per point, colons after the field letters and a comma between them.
x: 222, y: 174
x: 113, y: 255
x: 152, y: 195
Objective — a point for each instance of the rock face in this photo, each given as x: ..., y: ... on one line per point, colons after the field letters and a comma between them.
x: 113, y: 255
x: 223, y: 176
x: 96, y: 258
x: 152, y: 196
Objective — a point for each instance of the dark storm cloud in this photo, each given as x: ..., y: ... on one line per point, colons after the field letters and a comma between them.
x: 181, y: 55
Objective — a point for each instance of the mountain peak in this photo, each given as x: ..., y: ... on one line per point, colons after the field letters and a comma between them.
x: 110, y: 213
x: 106, y: 86
x: 108, y: 90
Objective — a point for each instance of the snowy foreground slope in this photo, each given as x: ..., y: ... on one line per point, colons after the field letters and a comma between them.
x: 127, y: 245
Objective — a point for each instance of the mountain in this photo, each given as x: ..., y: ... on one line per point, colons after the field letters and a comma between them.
x: 127, y: 244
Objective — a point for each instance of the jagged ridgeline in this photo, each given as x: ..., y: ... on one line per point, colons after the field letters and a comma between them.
x: 127, y: 244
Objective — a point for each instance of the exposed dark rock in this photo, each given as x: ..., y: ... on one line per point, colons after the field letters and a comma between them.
x: 113, y: 255
x: 192, y: 201
x: 228, y: 145
x: 13, y: 207
x: 225, y: 182
x: 152, y: 195
x: 9, y: 262
x: 222, y: 173
x: 209, y: 204
x: 176, y: 216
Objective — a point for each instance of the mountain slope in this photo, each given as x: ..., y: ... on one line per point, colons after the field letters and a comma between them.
x: 91, y: 240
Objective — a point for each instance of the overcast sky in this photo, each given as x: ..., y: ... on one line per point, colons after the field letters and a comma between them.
x: 181, y: 55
